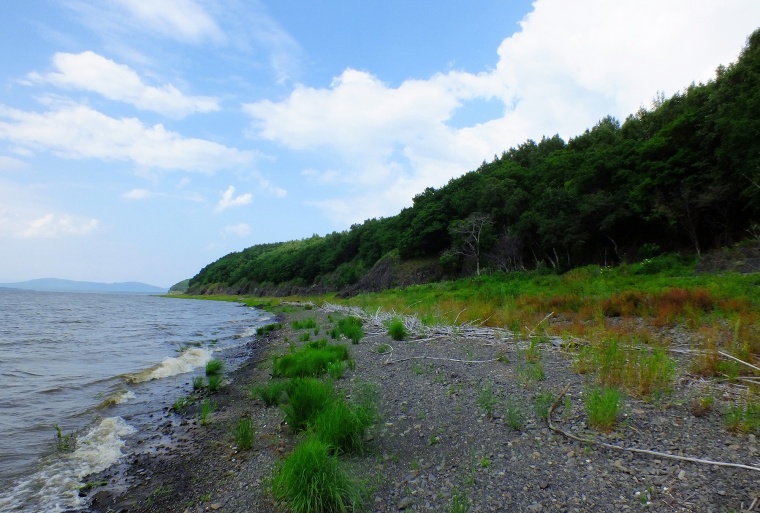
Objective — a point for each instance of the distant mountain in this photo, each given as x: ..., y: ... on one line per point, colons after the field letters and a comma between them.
x: 58, y: 285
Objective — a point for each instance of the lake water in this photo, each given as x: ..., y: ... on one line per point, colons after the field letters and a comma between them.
x: 103, y: 366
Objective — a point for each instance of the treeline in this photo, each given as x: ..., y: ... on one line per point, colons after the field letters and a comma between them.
x: 681, y: 176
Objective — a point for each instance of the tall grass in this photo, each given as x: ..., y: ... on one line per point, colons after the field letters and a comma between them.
x: 602, y: 407
x: 310, y: 360
x: 350, y: 327
x: 307, y: 398
x: 244, y: 433
x: 214, y: 367
x: 312, y: 481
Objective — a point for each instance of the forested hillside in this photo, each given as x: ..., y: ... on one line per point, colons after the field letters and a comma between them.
x: 681, y: 176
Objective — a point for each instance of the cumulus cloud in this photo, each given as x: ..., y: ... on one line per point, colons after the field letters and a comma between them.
x: 571, y: 64
x: 80, y: 132
x: 238, y: 230
x: 229, y: 199
x: 89, y: 71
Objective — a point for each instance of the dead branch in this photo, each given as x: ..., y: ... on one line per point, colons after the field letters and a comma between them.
x: 634, y: 449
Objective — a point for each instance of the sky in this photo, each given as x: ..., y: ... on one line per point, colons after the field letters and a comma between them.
x: 141, y: 140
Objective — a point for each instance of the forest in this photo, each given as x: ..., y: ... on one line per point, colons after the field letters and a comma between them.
x: 682, y: 176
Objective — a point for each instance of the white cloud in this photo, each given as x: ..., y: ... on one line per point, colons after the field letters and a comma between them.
x: 230, y: 200
x: 52, y: 225
x: 11, y: 164
x: 80, y: 132
x: 92, y: 72
x: 239, y: 230
x: 25, y: 225
x: 571, y: 64
x: 277, y: 192
x: 137, y: 194
x: 180, y: 19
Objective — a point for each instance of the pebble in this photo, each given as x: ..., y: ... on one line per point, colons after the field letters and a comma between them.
x: 404, y: 503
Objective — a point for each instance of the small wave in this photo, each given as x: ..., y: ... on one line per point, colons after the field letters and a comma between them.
x: 120, y: 397
x: 171, y: 366
x: 55, y: 488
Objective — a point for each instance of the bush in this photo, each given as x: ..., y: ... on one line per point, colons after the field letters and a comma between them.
x: 311, y: 480
x: 307, y: 398
x: 397, y: 330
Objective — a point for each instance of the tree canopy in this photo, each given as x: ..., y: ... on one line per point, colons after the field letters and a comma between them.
x: 683, y: 175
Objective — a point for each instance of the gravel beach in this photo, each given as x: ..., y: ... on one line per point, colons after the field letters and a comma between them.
x: 463, y: 428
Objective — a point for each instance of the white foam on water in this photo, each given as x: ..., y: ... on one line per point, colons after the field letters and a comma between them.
x: 171, y: 366
x: 55, y: 488
x: 120, y: 397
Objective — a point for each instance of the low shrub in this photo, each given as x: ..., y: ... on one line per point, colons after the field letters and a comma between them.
x: 487, y: 399
x: 312, y: 481
x: 742, y: 418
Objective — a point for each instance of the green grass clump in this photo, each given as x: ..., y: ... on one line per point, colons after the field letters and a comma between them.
x: 310, y: 360
x: 336, y: 369
x: 214, y: 367
x: 263, y: 330
x: 181, y: 403
x: 742, y: 419
x: 514, y: 417
x: 343, y: 424
x: 198, y: 383
x: 304, y: 337
x: 397, y: 330
x: 312, y: 481
x: 307, y: 398
x: 215, y: 382
x: 350, y: 327
x: 272, y: 393
x: 244, y: 433
x: 541, y: 404
x: 487, y: 399
x: 306, y: 324
x: 207, y: 408
x: 528, y: 372
x: 603, y: 407
x: 64, y: 443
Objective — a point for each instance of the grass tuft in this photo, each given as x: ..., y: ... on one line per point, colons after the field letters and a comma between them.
x: 310, y: 360
x: 272, y: 393
x: 603, y: 407
x: 307, y: 398
x: 312, y: 481
x: 207, y: 408
x: 350, y: 327
x: 244, y: 433
x: 397, y: 330
x: 214, y: 367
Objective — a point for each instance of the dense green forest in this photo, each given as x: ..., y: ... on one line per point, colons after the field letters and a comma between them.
x: 683, y: 175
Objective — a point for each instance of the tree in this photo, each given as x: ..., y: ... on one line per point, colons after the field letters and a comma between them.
x: 468, y: 236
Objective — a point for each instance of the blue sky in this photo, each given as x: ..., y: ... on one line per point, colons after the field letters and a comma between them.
x: 142, y: 139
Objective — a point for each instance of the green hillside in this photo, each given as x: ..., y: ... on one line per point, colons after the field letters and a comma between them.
x: 683, y: 176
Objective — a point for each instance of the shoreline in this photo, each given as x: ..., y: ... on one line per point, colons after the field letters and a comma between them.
x: 439, y: 442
